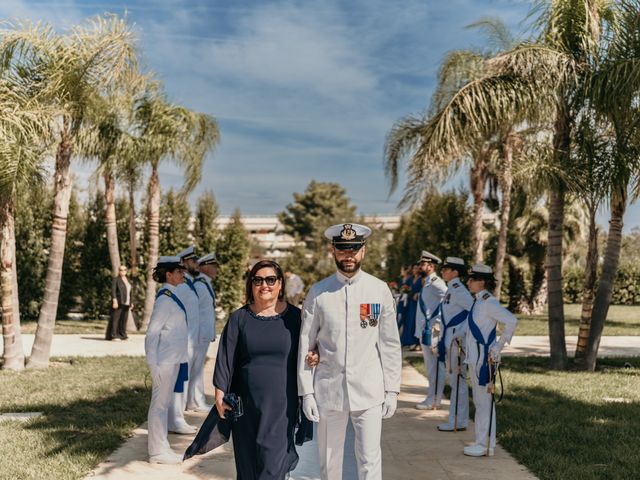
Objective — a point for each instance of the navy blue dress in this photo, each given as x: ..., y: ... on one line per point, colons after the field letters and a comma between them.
x: 409, y: 323
x: 257, y: 359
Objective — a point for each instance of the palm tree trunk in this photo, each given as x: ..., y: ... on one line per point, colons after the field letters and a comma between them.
x: 133, y: 237
x: 539, y: 291
x: 609, y: 272
x: 478, y: 181
x: 557, y: 342
x: 16, y: 308
x: 110, y: 222
x: 506, y: 182
x: 154, y: 241
x: 47, y: 319
x: 561, y: 147
x: 588, y: 290
x: 13, y: 357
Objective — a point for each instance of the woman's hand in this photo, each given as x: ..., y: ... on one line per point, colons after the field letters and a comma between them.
x: 312, y: 358
x: 220, y: 405
x: 114, y: 304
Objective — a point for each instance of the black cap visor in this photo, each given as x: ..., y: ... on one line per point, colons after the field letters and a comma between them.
x: 344, y: 246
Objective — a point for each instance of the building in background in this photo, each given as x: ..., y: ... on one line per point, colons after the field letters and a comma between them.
x: 268, y: 233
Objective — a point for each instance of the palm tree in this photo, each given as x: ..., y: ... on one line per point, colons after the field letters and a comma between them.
x: 615, y: 95
x: 168, y: 131
x: 23, y: 131
x: 74, y: 69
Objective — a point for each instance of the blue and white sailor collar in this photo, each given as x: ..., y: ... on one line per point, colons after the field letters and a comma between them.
x: 483, y: 295
x: 169, y: 287
x: 343, y: 279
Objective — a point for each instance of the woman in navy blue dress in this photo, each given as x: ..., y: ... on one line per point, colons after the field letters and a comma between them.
x: 409, y: 323
x: 257, y: 360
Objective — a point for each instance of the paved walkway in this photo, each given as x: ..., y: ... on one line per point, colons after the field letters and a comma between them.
x: 93, y: 345
x: 412, y: 448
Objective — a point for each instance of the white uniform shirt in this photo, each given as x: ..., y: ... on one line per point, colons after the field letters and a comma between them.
x: 455, y: 301
x: 207, y: 299
x: 166, y: 339
x: 487, y: 313
x: 357, y: 365
x: 191, y: 302
x: 432, y: 294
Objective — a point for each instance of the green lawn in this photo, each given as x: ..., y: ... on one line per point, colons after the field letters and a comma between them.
x: 89, y: 408
x: 622, y: 320
x: 70, y: 326
x: 570, y: 425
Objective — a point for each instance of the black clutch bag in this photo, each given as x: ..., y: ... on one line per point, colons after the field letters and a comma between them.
x: 235, y: 402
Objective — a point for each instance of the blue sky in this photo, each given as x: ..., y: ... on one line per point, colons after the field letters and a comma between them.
x: 302, y: 90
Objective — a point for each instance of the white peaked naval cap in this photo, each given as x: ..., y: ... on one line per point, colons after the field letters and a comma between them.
x: 187, y: 253
x: 429, y: 257
x: 480, y: 270
x: 454, y: 262
x: 208, y: 259
x: 169, y: 262
x: 347, y: 233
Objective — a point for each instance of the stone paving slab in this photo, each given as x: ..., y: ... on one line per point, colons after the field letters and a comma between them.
x: 412, y: 448
x: 94, y: 345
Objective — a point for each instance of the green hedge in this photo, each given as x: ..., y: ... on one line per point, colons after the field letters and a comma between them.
x: 626, y: 289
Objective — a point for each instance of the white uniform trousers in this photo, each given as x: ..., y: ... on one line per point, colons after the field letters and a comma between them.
x: 195, y: 393
x: 431, y: 364
x: 164, y: 380
x: 462, y: 397
x: 367, y: 426
x: 482, y: 402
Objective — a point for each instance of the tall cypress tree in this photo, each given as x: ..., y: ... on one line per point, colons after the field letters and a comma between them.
x: 205, y: 232
x: 174, y: 223
x: 233, y: 254
x: 72, y: 285
x: 95, y: 273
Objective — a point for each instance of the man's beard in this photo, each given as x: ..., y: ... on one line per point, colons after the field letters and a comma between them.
x: 345, y: 269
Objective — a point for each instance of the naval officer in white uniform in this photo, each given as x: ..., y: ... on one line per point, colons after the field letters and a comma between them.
x: 481, y: 342
x: 165, y: 347
x: 187, y: 293
x: 452, y: 323
x: 208, y: 268
x: 429, y: 300
x: 350, y: 319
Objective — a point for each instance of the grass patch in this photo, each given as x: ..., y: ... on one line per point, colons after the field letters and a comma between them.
x: 570, y: 425
x: 621, y: 320
x: 66, y: 327
x: 89, y: 408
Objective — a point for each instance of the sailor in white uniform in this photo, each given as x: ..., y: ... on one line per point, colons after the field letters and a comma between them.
x: 208, y: 268
x: 430, y: 297
x: 165, y: 347
x: 452, y: 320
x: 481, y: 342
x: 187, y: 293
x: 350, y: 319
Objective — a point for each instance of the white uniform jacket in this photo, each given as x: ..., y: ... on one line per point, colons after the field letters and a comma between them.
x: 455, y: 301
x: 191, y: 302
x: 357, y: 365
x: 207, y: 302
x: 487, y: 313
x: 432, y: 294
x: 166, y: 339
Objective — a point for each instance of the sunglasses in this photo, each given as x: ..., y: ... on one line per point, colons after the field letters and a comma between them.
x: 343, y: 247
x: 270, y: 280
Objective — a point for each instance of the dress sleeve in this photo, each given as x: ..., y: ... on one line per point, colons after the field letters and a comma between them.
x: 226, y: 358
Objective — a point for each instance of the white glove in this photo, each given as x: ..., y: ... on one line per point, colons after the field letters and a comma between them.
x: 495, y: 350
x: 310, y: 407
x: 390, y: 404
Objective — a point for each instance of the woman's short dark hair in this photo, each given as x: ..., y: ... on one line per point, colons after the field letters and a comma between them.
x: 252, y: 273
x: 160, y: 273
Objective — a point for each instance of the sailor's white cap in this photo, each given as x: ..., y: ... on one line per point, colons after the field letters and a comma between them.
x: 188, y: 253
x: 208, y: 259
